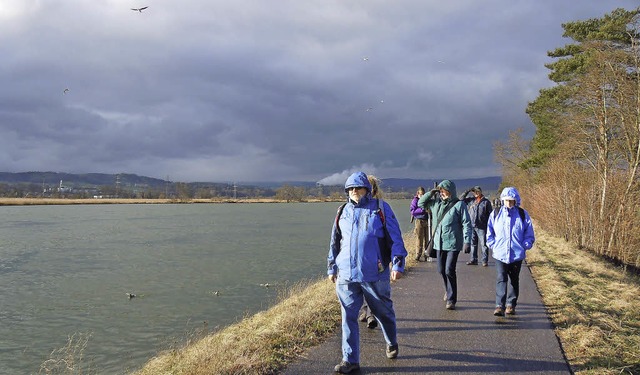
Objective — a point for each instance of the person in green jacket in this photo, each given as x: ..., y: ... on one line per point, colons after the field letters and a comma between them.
x: 452, y: 232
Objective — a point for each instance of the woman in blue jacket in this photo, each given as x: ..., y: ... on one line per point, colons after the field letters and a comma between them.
x: 509, y: 234
x: 361, y: 249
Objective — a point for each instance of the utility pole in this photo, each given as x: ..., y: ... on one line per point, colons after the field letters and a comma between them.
x: 117, y: 185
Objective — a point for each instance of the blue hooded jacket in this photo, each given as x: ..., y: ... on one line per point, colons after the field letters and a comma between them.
x: 508, y: 235
x: 355, y: 252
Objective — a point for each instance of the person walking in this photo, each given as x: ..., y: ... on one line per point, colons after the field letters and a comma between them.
x: 365, y: 314
x: 479, y: 210
x: 421, y: 221
x: 366, y: 252
x: 509, y: 234
x: 452, y: 234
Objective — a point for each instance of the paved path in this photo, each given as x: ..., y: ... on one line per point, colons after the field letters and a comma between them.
x: 468, y: 340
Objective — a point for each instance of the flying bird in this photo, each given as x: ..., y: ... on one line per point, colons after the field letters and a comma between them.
x: 365, y: 59
x: 65, y: 91
x: 130, y: 295
x: 139, y: 9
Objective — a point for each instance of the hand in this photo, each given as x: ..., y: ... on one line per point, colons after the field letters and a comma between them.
x: 466, y: 248
x: 433, y: 191
x: 396, y: 275
x: 332, y: 278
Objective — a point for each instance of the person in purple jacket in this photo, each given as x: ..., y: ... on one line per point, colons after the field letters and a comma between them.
x: 420, y: 217
x: 509, y: 234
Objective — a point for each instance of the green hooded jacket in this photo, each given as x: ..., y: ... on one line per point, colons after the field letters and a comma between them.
x: 456, y: 228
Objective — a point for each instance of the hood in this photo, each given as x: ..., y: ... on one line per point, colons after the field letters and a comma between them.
x: 358, y: 179
x: 449, y: 186
x: 511, y: 193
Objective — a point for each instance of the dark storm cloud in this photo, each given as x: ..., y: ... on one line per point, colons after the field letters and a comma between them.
x: 290, y: 90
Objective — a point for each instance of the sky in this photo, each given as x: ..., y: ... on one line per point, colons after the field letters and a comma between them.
x: 273, y: 90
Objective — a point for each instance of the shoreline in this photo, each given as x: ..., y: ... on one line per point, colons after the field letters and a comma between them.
x: 70, y: 201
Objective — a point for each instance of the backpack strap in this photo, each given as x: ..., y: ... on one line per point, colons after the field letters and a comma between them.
x: 338, y: 214
x: 385, y: 244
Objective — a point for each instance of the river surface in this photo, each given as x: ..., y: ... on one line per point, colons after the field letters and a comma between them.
x: 65, y: 271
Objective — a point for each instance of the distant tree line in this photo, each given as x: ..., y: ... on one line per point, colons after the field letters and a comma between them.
x: 579, y: 175
x: 180, y: 191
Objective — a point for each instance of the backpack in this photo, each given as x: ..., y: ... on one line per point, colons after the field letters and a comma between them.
x: 520, y: 211
x: 385, y: 248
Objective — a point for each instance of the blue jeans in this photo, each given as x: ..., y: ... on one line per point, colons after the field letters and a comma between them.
x: 479, y: 241
x: 378, y: 297
x: 507, y: 272
x: 447, y: 261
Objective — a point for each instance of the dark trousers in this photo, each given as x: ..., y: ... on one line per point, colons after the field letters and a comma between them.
x: 507, y: 273
x: 447, y: 261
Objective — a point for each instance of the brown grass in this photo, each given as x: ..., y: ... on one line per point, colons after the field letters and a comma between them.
x: 260, y: 344
x: 263, y: 343
x: 594, y: 306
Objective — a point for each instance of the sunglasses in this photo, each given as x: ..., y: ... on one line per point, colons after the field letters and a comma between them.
x: 355, y: 188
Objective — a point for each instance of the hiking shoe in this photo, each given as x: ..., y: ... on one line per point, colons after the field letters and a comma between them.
x: 345, y: 367
x: 451, y: 306
x: 362, y: 317
x: 510, y: 310
x: 485, y: 264
x: 498, y: 311
x: 392, y: 351
x: 372, y: 322
x: 472, y: 263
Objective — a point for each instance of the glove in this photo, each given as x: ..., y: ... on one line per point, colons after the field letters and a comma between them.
x: 466, y: 248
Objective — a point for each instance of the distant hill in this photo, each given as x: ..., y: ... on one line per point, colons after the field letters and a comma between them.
x: 488, y: 184
x: 78, y: 180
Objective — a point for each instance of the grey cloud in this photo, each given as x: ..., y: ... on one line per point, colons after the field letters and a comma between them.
x: 254, y: 90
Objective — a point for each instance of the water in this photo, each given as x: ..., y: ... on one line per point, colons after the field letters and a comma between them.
x: 65, y: 270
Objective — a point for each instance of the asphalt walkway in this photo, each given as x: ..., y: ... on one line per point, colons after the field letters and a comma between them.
x: 468, y: 340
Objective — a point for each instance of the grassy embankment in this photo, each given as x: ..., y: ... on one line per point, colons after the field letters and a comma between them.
x: 594, y: 306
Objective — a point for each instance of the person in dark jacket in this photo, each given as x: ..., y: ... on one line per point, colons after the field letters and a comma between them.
x: 365, y: 253
x: 452, y: 234
x: 510, y: 234
x: 421, y: 219
x: 479, y: 210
